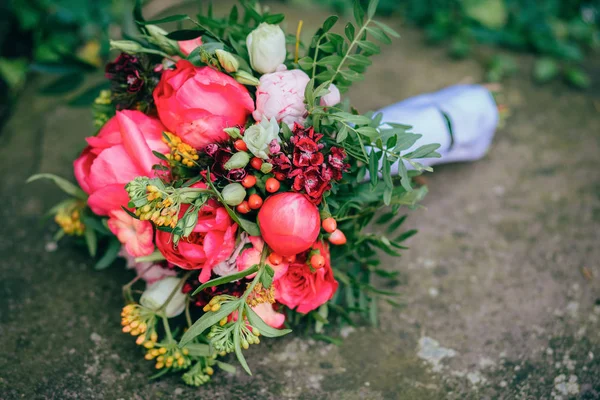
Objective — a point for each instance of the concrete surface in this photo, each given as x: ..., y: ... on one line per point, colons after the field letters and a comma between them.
x: 501, y: 286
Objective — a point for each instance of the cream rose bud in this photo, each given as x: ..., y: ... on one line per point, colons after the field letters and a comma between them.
x: 332, y: 98
x: 280, y: 95
x: 227, y: 60
x: 157, y: 294
x: 266, y: 47
x: 258, y: 136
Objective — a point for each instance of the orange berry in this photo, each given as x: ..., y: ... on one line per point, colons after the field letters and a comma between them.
x: 275, y: 259
x: 279, y: 176
x: 329, y: 224
x: 240, y: 145
x: 272, y: 185
x: 243, y: 207
x: 290, y: 259
x: 255, y: 201
x: 317, y: 261
x: 337, y: 237
x: 249, y: 181
x: 256, y: 163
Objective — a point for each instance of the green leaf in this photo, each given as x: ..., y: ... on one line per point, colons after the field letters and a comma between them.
x: 396, y: 224
x: 404, y: 179
x: 266, y: 278
x: 207, y: 320
x: 372, y: 8
x: 62, y: 183
x: 350, y: 31
x: 387, y: 174
x: 226, y: 279
x: 110, y: 255
x: 359, y: 59
x: 359, y: 13
x: 342, y: 134
x: 373, y: 312
x: 406, y: 140
x: 199, y: 349
x: 424, y: 151
x: 387, y: 29
x: 329, y: 23
x: 378, y: 34
x: 92, y: 241
x: 172, y: 18
x: 328, y: 339
x: 273, y: 19
x: 322, y: 312
x: 185, y: 34
x: 373, y: 168
x: 305, y: 63
x: 63, y: 85
x: 368, y: 46
x: 226, y: 367
x: 333, y: 60
x: 368, y: 131
x: 405, y: 235
x: 238, y: 351
x: 265, y: 330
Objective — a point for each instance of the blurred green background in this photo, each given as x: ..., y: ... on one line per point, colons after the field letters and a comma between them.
x: 68, y: 38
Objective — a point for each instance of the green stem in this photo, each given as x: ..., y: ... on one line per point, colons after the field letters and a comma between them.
x: 352, y: 44
x: 167, y: 327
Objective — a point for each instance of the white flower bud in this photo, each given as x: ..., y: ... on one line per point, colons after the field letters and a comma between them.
x: 246, y: 78
x: 266, y: 47
x: 157, y: 294
x: 233, y: 194
x: 126, y: 46
x: 227, y: 60
x: 158, y: 36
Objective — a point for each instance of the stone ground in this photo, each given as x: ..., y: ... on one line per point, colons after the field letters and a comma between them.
x: 501, y: 286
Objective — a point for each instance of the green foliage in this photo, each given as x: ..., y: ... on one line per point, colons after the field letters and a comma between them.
x: 64, y: 38
x: 560, y: 30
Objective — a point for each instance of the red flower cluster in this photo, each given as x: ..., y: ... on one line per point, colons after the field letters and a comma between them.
x: 308, y: 168
x: 132, y: 82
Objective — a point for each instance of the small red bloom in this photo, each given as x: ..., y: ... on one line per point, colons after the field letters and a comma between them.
x: 307, y: 153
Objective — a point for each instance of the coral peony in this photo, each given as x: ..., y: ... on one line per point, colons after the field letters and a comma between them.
x: 303, y: 289
x: 281, y: 95
x: 135, y: 235
x: 120, y: 152
x: 289, y: 223
x: 271, y: 317
x: 197, y: 103
x: 211, y: 242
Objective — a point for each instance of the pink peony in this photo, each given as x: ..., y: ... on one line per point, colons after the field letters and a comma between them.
x: 281, y: 95
x: 271, y: 317
x: 147, y: 270
x: 251, y: 256
x: 306, y: 289
x: 120, y: 152
x: 137, y: 236
x: 197, y: 103
x: 289, y: 223
x: 332, y: 98
x: 187, y: 46
x: 211, y: 242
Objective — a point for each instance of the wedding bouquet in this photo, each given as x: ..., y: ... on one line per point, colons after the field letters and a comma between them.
x: 229, y: 174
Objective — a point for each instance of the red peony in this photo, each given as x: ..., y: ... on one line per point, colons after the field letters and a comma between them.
x: 211, y: 242
x: 289, y: 223
x: 197, y: 103
x: 305, y: 289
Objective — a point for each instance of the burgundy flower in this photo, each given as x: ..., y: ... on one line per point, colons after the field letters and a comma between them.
x: 132, y: 82
x: 236, y: 174
x: 307, y: 153
x: 281, y: 162
x: 336, y: 159
x: 311, y: 181
x: 274, y: 147
x: 211, y: 149
x: 300, y: 132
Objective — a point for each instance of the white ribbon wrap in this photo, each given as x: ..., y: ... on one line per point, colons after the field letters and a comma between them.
x: 472, y: 114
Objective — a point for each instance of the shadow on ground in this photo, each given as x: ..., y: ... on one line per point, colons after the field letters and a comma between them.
x: 501, y: 286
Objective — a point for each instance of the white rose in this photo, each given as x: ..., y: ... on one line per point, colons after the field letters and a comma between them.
x: 266, y: 47
x: 258, y: 137
x: 156, y: 294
